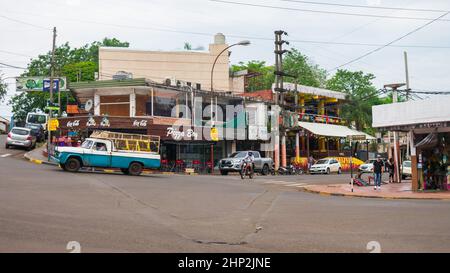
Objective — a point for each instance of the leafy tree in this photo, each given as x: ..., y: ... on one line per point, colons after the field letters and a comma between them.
x: 3, y: 88
x: 81, y: 71
x: 77, y: 64
x: 361, y: 95
x: 187, y: 46
x: 295, y: 63
x: 305, y: 72
x: 264, y: 77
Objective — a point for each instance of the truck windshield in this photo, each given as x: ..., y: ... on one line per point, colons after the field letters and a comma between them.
x: 238, y: 155
x: 36, y: 118
x: 87, y: 144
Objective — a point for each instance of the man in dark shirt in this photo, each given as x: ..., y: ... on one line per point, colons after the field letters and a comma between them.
x: 378, y: 171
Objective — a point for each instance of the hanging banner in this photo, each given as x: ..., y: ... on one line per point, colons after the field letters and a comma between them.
x: 40, y: 84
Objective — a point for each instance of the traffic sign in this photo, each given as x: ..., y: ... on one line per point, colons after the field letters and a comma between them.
x: 356, y: 137
x: 53, y: 124
x: 214, y: 134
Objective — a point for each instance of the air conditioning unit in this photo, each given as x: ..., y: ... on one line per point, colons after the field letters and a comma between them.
x: 122, y: 75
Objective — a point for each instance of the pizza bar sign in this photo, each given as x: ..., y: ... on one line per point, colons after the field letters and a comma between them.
x: 179, y: 135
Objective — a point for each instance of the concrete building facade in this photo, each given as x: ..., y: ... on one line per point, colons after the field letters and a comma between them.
x: 185, y: 65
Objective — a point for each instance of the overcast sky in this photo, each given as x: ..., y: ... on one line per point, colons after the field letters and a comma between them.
x: 25, y: 30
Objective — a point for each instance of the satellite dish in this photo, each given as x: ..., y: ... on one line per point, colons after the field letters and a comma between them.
x: 88, y: 105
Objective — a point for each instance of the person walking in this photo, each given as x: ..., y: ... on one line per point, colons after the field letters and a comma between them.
x: 310, y: 162
x: 378, y: 167
x: 391, y: 170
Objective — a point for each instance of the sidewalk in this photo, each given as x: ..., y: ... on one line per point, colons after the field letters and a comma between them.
x: 388, y: 191
x: 37, y: 156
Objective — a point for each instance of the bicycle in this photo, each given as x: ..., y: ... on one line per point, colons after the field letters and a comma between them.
x: 246, y: 169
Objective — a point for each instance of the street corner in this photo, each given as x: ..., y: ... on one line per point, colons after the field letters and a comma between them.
x: 391, y: 191
x: 36, y: 157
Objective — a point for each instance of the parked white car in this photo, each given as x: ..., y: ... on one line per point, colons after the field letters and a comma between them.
x: 326, y: 165
x: 367, y: 167
x: 406, y: 169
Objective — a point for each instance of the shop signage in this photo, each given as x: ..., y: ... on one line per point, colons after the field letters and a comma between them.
x: 140, y: 123
x: 180, y: 135
x: 53, y: 124
x: 214, y: 134
x: 40, y: 84
x: 356, y: 137
x: 103, y: 122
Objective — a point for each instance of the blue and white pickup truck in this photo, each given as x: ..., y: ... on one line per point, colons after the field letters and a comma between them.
x: 98, y: 152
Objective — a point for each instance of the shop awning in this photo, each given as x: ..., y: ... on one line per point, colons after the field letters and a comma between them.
x: 331, y: 130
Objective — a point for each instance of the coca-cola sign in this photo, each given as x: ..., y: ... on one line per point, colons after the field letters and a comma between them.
x: 74, y: 123
x: 140, y: 123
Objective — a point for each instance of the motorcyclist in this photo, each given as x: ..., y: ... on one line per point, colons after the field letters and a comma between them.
x: 249, y: 159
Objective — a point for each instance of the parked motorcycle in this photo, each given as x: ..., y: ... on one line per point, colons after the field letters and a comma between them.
x: 290, y: 170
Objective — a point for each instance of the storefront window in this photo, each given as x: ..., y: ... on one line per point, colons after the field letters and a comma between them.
x: 433, y: 167
x: 166, y: 101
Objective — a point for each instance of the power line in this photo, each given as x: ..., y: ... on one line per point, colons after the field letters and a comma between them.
x: 234, y: 35
x: 396, y: 40
x: 14, y: 53
x: 11, y: 66
x: 326, y: 12
x: 362, y: 6
x: 22, y: 22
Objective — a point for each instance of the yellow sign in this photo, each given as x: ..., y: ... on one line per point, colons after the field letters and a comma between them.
x: 53, y: 124
x: 214, y: 134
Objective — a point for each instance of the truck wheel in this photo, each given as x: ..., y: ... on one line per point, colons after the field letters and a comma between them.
x: 265, y: 170
x: 223, y: 172
x: 72, y: 165
x: 125, y: 171
x: 135, y: 168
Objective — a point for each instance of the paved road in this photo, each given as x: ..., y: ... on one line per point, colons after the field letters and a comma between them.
x: 43, y: 208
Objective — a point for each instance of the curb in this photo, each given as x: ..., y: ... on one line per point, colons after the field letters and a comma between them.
x: 370, y: 196
x: 38, y: 161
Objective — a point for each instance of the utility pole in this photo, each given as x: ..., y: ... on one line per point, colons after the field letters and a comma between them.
x: 408, y: 148
x: 52, y: 69
x: 279, y: 97
x: 397, y: 160
x: 405, y: 54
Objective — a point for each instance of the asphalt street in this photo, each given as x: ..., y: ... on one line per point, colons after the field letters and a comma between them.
x: 44, y: 208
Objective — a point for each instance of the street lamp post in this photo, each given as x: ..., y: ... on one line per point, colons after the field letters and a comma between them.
x: 241, y: 43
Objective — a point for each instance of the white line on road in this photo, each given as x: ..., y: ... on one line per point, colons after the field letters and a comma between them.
x: 278, y: 182
x: 296, y: 185
x: 5, y: 155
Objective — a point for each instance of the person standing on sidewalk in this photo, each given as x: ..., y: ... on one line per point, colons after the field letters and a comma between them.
x: 378, y: 167
x: 391, y: 170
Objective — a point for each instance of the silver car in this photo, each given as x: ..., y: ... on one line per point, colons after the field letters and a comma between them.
x: 21, y: 137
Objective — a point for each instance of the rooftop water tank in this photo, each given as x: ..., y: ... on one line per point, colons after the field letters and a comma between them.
x: 219, y: 39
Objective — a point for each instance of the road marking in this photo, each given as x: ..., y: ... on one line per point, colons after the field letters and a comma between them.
x: 5, y: 155
x: 278, y: 182
x: 296, y: 185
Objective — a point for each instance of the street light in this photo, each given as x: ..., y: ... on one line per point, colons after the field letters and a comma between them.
x: 241, y: 43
